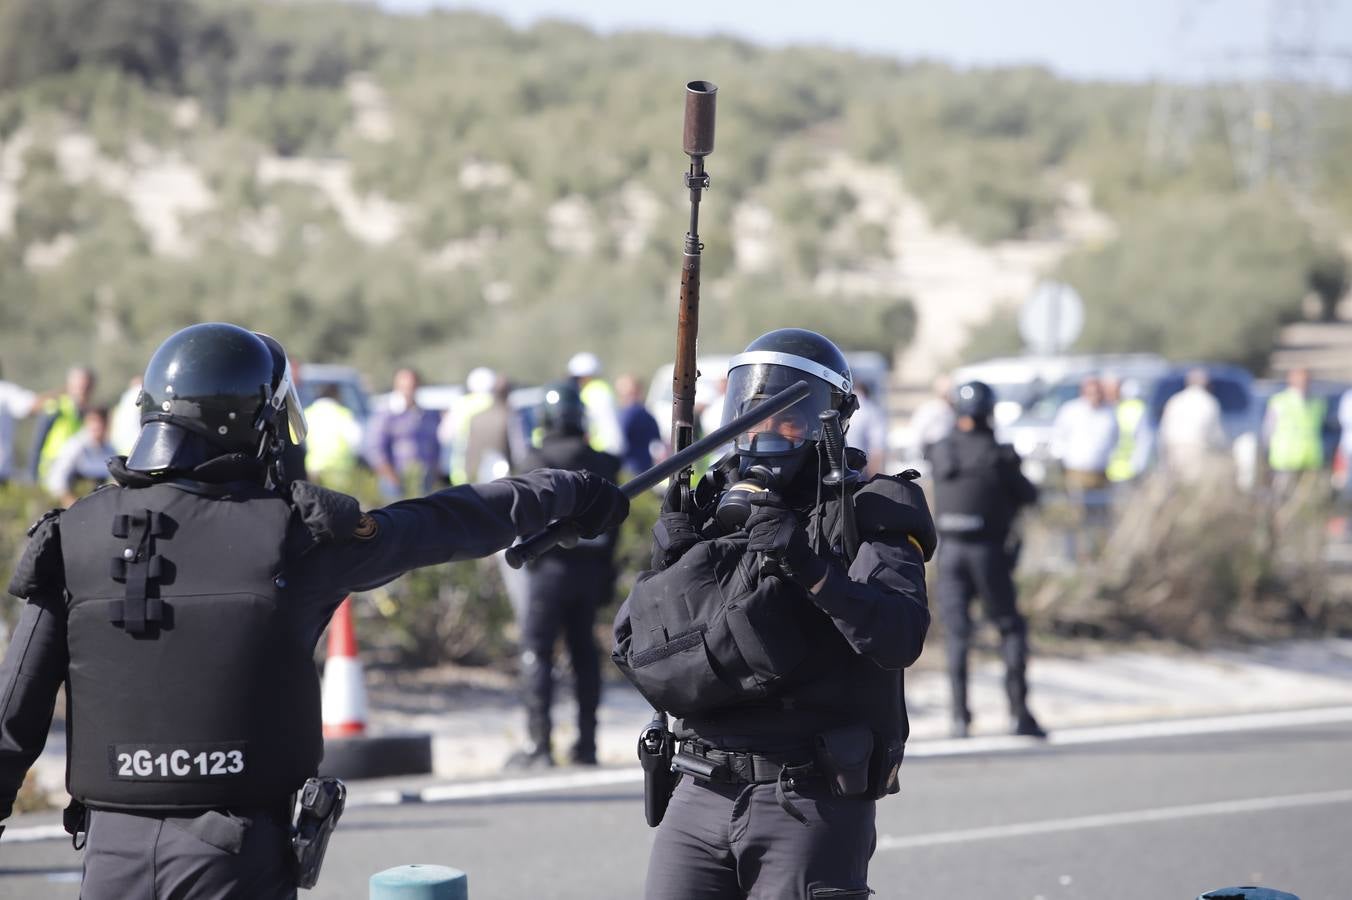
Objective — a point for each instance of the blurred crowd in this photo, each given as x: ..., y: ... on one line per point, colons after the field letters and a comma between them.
x: 413, y: 439
x: 1099, y: 430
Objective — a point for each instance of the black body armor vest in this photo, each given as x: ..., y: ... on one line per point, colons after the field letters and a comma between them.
x: 189, y: 686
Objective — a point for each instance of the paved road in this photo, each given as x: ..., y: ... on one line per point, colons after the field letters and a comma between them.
x: 1156, y: 818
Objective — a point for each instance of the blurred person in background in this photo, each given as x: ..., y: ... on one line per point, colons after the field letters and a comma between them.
x: 1292, y: 427
x: 933, y: 419
x: 1084, y: 436
x: 82, y: 463
x: 603, y: 424
x: 62, y: 417
x: 979, y: 488
x: 403, y: 445
x: 124, y: 423
x: 640, y: 429
x: 455, y: 424
x: 868, y: 431
x: 15, y: 403
x: 1345, y: 443
x: 493, y: 443
x: 1132, y: 450
x: 332, y: 441
x: 1191, y: 437
x: 565, y: 588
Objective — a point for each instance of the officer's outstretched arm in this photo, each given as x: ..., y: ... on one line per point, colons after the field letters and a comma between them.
x: 32, y: 672
x: 465, y: 522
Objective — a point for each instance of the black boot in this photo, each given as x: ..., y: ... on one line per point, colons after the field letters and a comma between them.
x: 1014, y: 651
x: 957, y: 681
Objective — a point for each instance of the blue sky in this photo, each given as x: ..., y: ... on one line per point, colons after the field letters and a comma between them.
x: 1117, y: 39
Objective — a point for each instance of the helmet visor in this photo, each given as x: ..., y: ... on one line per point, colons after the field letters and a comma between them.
x: 783, y: 432
x: 287, y: 399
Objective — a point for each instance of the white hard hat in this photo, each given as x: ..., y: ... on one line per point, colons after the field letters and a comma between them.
x: 480, y: 380
x: 584, y: 365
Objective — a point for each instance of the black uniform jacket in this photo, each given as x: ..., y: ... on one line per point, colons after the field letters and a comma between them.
x: 332, y: 550
x: 978, y: 485
x: 874, y: 622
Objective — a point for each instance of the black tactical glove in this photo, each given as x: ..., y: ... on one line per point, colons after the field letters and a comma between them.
x: 774, y: 530
x: 675, y: 530
x: 600, y: 505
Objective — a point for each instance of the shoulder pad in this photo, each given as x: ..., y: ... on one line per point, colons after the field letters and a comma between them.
x: 41, y: 564
x: 327, y: 515
x: 891, y: 503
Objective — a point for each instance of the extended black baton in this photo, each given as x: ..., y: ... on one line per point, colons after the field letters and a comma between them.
x: 563, y: 533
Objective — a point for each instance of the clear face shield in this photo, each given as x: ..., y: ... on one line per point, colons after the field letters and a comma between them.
x: 286, y: 399
x: 784, y: 433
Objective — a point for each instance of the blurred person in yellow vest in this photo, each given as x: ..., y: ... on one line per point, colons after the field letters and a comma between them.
x: 333, y: 440
x: 1128, y: 458
x: 1191, y: 437
x: 455, y: 424
x: 603, y: 428
x: 1292, y: 426
x: 61, y: 418
x: 82, y: 463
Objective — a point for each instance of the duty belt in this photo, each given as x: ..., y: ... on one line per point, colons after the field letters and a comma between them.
x: 731, y: 767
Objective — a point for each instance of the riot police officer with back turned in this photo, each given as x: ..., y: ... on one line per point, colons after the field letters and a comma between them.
x: 565, y: 588
x: 778, y: 645
x: 978, y: 489
x: 181, y: 607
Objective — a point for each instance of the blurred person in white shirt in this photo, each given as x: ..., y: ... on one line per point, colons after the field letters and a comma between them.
x: 15, y: 403
x: 1084, y: 435
x: 868, y: 430
x: 934, y: 418
x: 1191, y: 438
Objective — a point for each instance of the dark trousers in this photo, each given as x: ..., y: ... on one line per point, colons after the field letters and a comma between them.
x: 735, y: 842
x: 209, y: 856
x: 984, y: 568
x: 565, y: 590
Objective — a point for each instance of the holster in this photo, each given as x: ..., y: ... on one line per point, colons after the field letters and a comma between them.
x: 884, y: 767
x: 656, y: 747
x: 75, y: 820
x: 317, y: 814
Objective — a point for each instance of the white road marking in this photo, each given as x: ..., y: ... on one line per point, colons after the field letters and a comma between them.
x: 1135, y: 731
x: 1112, y: 820
x: 479, y: 790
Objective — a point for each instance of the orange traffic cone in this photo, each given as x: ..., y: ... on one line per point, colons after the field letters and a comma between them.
x: 344, y: 701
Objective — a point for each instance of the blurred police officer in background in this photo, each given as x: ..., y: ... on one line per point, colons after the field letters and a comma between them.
x: 565, y: 588
x: 181, y: 607
x: 978, y: 489
x: 780, y: 655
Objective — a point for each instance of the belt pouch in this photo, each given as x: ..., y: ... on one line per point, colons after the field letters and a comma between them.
x: 843, y: 755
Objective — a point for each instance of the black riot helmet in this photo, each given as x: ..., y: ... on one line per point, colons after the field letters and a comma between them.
x: 975, y: 399
x: 215, y: 389
x: 562, y: 411
x: 771, y: 363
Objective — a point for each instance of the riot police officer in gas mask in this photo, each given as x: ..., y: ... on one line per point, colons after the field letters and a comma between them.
x: 785, y: 600
x: 181, y: 606
x: 978, y: 489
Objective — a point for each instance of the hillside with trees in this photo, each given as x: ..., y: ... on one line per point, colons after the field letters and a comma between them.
x: 448, y: 190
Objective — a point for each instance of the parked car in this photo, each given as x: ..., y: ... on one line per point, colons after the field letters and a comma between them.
x: 1019, y: 381
x: 1031, y: 433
